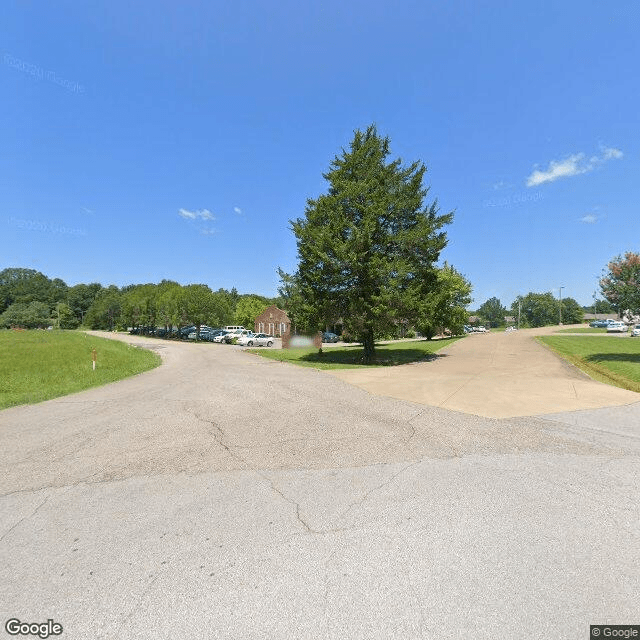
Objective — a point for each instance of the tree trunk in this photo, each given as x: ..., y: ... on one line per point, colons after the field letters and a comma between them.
x: 369, y: 347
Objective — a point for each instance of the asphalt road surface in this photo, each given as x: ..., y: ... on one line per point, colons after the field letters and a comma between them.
x: 226, y: 496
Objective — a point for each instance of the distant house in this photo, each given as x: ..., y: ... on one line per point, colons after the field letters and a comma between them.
x: 599, y: 316
x: 273, y: 321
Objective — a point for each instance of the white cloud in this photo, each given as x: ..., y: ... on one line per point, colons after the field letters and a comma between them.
x: 86, y: 210
x: 563, y: 169
x: 202, y: 214
x: 612, y: 154
x: 237, y: 210
x: 209, y: 232
x: 574, y: 165
x: 589, y: 219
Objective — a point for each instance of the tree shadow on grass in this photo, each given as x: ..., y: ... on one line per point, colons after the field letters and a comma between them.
x: 614, y: 357
x: 384, y: 357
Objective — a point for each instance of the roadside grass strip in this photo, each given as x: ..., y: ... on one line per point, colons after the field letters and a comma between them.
x: 39, y: 365
x: 583, y: 330
x: 352, y: 357
x: 615, y: 361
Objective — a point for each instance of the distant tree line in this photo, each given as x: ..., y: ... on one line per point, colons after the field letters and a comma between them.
x: 531, y: 310
x: 29, y: 299
x: 619, y: 286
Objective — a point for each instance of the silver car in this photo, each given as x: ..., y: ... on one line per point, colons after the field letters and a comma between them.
x: 256, y: 340
x: 617, y: 327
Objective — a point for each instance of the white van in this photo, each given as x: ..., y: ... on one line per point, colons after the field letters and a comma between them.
x: 234, y: 328
x: 237, y: 333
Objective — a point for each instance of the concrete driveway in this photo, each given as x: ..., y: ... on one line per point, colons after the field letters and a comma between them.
x: 497, y: 375
x: 226, y: 496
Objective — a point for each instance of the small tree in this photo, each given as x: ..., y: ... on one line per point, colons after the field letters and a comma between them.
x: 536, y: 309
x: 104, y: 313
x: 28, y: 316
x: 572, y: 312
x: 80, y: 298
x: 65, y: 317
x: 444, y: 308
x: 248, y: 309
x: 168, y: 304
x: 199, y: 304
x: 620, y: 285
x: 493, y: 312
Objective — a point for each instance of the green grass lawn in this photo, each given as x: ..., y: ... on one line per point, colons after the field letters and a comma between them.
x: 351, y: 357
x: 583, y: 330
x: 39, y: 365
x: 612, y: 360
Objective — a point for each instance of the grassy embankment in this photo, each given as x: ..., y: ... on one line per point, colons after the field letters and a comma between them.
x: 39, y: 365
x: 351, y: 357
x: 612, y: 360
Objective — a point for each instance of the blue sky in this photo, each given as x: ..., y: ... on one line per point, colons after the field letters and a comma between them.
x: 143, y: 141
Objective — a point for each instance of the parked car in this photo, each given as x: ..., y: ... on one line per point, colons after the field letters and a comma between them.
x: 185, y: 331
x: 142, y: 331
x: 220, y: 338
x: 635, y: 332
x: 236, y: 334
x: 205, y: 334
x: 480, y: 329
x: 256, y: 340
x: 327, y: 336
x: 601, y: 324
x: 617, y: 327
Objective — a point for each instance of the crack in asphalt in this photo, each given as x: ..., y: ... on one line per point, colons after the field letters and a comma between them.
x: 135, y: 607
x: 17, y: 524
x: 387, y: 482
x: 273, y: 443
x: 70, y: 485
x: 219, y: 434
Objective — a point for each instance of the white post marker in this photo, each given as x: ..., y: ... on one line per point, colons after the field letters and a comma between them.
x: 94, y: 356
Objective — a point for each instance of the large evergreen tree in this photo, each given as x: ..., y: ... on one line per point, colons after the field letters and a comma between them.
x: 367, y: 248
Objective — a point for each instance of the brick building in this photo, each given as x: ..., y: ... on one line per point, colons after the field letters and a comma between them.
x: 274, y: 322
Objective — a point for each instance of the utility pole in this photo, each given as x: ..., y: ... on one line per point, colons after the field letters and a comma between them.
x: 560, y: 307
